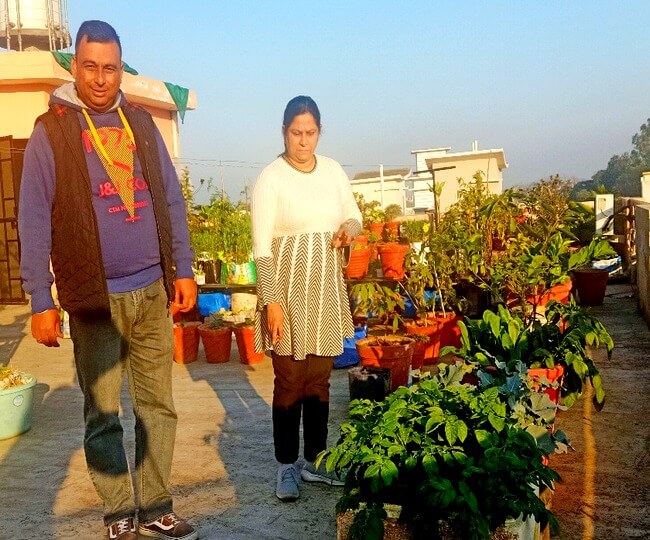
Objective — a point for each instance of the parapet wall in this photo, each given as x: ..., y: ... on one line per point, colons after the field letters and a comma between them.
x: 643, y: 259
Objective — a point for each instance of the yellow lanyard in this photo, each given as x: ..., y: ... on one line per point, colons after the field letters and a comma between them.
x: 98, y: 142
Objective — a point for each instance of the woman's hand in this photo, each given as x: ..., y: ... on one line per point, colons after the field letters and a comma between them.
x: 275, y: 320
x: 342, y: 238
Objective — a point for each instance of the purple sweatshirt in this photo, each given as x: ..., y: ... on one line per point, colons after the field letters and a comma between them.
x: 126, y: 223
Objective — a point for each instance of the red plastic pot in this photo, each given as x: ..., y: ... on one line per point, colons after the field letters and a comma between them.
x: 425, y: 353
x: 551, y: 374
x: 449, y: 333
x: 216, y: 343
x: 392, y: 257
x: 186, y: 342
x: 392, y: 352
x: 357, y: 266
x: 245, y: 338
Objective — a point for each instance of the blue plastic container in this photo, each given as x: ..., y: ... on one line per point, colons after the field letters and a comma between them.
x: 16, y: 405
x: 210, y: 302
x: 350, y: 356
x: 409, y: 308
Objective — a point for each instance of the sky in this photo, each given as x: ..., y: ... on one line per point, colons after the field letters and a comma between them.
x: 560, y: 86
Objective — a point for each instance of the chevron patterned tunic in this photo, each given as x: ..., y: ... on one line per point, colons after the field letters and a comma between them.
x: 295, y: 216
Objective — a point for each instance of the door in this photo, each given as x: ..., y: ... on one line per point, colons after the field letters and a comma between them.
x: 11, y: 167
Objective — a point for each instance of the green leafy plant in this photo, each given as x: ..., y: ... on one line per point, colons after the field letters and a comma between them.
x: 530, y: 268
x: 381, y: 301
x: 415, y: 230
x: 371, y: 211
x: 221, y: 230
x: 443, y: 451
x: 392, y: 211
x: 225, y: 318
x: 503, y: 340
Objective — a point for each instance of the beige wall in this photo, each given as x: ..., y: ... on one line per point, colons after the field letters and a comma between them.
x: 466, y: 166
x: 370, y: 188
x: 19, y: 108
x: 27, y: 78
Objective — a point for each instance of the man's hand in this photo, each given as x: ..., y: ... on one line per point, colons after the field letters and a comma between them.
x: 342, y: 238
x: 46, y: 327
x: 275, y: 320
x: 185, y: 297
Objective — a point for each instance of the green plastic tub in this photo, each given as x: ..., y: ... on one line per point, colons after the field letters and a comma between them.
x: 16, y: 409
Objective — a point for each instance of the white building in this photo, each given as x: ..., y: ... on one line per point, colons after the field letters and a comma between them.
x: 412, y: 189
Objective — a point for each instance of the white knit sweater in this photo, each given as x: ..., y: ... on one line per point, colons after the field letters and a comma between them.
x: 294, y: 217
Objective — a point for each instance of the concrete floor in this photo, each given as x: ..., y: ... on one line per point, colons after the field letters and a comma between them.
x: 224, y: 471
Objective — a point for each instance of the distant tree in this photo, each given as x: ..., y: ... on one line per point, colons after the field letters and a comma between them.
x: 623, y: 172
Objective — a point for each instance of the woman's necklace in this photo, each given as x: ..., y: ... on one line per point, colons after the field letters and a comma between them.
x: 286, y: 158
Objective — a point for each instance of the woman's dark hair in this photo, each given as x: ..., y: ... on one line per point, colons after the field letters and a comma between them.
x: 300, y: 105
x: 97, y: 32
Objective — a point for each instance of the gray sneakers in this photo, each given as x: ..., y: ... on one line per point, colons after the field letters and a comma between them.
x: 286, y: 487
x: 310, y: 473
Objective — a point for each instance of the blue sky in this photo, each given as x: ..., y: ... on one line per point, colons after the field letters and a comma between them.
x: 560, y: 86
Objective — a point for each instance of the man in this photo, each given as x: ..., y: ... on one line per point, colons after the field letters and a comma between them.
x: 100, y: 197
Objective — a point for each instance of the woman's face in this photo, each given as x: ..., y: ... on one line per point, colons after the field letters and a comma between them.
x: 301, y: 139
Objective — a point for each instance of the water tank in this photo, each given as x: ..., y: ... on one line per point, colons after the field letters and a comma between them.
x: 34, y: 24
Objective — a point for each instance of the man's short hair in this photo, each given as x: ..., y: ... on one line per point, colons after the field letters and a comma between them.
x: 98, y: 32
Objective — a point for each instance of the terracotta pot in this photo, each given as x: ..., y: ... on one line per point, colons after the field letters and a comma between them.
x: 245, y: 337
x: 216, y: 343
x: 357, y: 266
x: 425, y: 353
x: 392, y: 352
x: 551, y: 374
x: 186, y: 342
x: 392, y: 257
x: 591, y: 284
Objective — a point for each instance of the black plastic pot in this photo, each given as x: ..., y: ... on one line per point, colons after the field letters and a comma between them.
x: 369, y: 382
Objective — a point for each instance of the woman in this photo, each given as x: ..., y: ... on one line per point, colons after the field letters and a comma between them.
x: 302, y: 210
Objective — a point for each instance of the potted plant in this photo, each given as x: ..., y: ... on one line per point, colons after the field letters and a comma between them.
x: 392, y: 256
x: 186, y: 341
x: 216, y: 336
x: 591, y: 283
x: 428, y: 285
x: 391, y: 351
x: 391, y: 226
x: 237, y: 265
x: 415, y: 231
x: 16, y: 401
x: 244, y: 329
x: 199, y: 276
x: 372, y: 215
x: 504, y: 338
x: 447, y: 454
x: 358, y: 260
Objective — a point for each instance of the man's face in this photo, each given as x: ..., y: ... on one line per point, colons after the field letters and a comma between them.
x: 97, y: 71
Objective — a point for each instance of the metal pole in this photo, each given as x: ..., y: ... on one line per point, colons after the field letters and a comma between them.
x: 19, y: 26
x: 50, y: 24
x: 7, y: 33
x: 381, y: 185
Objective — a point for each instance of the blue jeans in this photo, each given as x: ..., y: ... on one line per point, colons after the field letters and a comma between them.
x: 137, y: 339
